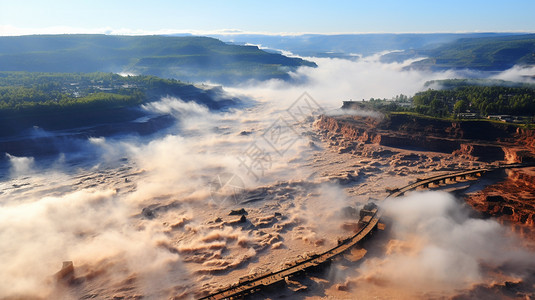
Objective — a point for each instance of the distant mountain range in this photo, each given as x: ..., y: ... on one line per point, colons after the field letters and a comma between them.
x: 184, y: 58
x: 478, y: 51
x: 319, y: 45
x: 234, y: 60
x: 486, y: 54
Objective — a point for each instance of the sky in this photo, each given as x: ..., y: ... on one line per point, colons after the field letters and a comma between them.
x: 292, y: 17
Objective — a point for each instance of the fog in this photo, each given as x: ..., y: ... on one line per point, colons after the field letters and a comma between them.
x: 436, y: 247
x: 518, y: 73
x: 140, y: 216
x: 433, y: 248
x: 20, y: 165
x: 336, y: 80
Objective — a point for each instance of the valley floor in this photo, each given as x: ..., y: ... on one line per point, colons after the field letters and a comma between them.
x: 184, y: 246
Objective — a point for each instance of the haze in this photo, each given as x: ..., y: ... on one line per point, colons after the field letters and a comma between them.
x: 177, y: 149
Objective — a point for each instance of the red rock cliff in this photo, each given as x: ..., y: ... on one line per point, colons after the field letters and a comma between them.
x: 475, y: 140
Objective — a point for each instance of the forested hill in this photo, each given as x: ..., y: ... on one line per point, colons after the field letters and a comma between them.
x: 184, y: 58
x: 344, y: 45
x: 483, y: 97
x: 456, y: 99
x: 66, y: 100
x: 482, y: 53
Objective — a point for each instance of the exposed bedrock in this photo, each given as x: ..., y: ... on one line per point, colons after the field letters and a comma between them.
x: 510, y: 201
x: 474, y: 140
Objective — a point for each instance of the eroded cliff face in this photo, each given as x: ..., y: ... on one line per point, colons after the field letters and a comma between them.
x: 526, y: 137
x: 361, y: 129
x: 474, y: 140
x: 511, y: 200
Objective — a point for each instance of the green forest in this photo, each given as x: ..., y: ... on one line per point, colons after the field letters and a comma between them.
x: 187, y: 58
x: 487, y: 53
x: 482, y: 100
x: 36, y: 93
x: 29, y: 93
x: 68, y: 100
x: 462, y: 98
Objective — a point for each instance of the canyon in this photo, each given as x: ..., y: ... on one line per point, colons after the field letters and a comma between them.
x: 507, y: 196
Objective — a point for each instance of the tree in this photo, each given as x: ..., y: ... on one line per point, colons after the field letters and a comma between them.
x: 460, y: 106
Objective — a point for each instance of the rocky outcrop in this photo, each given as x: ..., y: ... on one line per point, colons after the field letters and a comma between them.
x: 361, y: 129
x: 418, y: 142
x: 473, y: 140
x: 510, y: 201
x: 526, y: 137
x: 516, y: 155
x: 485, y: 152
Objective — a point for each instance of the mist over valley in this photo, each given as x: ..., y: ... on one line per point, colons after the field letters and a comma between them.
x: 238, y: 165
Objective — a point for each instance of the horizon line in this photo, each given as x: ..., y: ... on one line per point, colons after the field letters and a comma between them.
x: 7, y: 30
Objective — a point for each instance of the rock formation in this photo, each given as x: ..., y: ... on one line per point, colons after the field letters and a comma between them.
x: 476, y: 140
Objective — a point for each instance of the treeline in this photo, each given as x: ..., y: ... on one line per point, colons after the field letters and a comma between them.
x: 188, y: 58
x: 399, y: 103
x: 494, y: 53
x: 461, y: 98
x: 483, y: 100
x: 23, y: 93
x: 93, y: 102
x: 58, y: 101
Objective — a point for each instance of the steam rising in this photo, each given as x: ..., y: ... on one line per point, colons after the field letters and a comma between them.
x: 141, y: 219
x: 336, y: 80
x: 176, y: 108
x: 436, y: 247
x: 20, y: 165
x: 88, y: 227
x: 518, y: 73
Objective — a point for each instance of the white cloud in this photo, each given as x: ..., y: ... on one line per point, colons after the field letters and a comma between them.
x: 436, y: 247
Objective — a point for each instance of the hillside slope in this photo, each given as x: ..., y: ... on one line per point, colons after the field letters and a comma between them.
x: 485, y: 54
x: 184, y: 58
x: 344, y: 45
x: 62, y: 101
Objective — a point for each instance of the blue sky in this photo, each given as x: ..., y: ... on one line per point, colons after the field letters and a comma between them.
x: 135, y: 16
